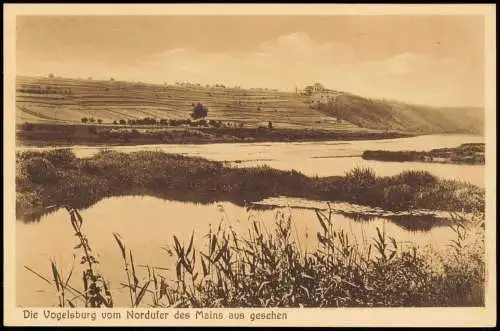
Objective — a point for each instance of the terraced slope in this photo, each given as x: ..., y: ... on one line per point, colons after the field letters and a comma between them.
x: 68, y: 100
x: 61, y: 100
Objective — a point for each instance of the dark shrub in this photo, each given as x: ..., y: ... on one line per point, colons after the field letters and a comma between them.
x: 61, y: 157
x: 199, y: 111
x: 360, y: 185
x: 39, y: 170
x: 361, y: 177
x: 399, y: 197
x: 29, y: 127
x: 416, y: 178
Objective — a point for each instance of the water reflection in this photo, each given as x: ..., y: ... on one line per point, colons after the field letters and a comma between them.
x: 147, y: 225
x: 190, y: 197
x: 408, y: 221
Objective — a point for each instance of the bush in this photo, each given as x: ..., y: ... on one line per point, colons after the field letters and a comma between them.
x: 415, y: 178
x: 360, y: 177
x: 199, y: 111
x: 61, y: 157
x: 400, y: 197
x: 39, y: 170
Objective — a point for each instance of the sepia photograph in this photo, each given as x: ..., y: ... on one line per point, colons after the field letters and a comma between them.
x: 169, y: 164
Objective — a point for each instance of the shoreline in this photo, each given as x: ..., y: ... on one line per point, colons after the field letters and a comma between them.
x: 46, y: 135
x: 468, y: 153
x: 46, y: 178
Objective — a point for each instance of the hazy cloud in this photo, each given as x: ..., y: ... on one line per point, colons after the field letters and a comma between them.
x: 297, y: 59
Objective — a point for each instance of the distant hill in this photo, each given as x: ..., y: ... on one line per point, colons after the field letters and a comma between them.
x: 62, y: 100
x: 395, y: 115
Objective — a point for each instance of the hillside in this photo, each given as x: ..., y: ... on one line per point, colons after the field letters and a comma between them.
x: 61, y: 100
x: 399, y: 116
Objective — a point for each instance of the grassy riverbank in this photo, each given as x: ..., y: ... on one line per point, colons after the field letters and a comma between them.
x: 463, y: 154
x: 58, y: 177
x: 268, y: 268
x: 79, y: 134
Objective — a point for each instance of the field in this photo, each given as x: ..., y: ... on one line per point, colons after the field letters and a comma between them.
x: 67, y: 101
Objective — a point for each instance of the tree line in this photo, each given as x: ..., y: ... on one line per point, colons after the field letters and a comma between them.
x: 167, y: 122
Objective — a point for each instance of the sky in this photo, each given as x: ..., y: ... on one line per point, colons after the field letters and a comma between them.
x: 433, y: 60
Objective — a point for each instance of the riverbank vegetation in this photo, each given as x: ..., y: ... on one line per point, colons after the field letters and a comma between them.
x: 58, y: 177
x: 463, y: 154
x: 181, y: 132
x: 269, y: 268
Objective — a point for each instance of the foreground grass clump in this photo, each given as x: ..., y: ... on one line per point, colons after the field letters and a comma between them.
x: 58, y: 177
x: 270, y: 268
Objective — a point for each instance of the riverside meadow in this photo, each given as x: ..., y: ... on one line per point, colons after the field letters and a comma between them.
x: 266, y: 267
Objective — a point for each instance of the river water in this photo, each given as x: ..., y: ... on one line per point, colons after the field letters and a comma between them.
x: 147, y: 224
x: 319, y: 158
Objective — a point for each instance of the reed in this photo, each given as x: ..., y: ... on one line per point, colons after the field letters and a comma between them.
x: 268, y: 267
x: 95, y: 292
